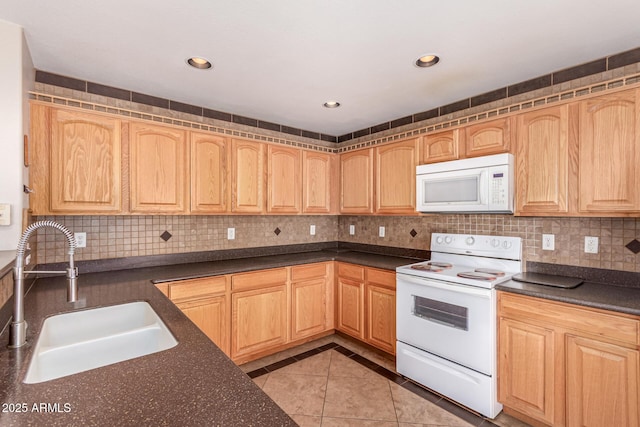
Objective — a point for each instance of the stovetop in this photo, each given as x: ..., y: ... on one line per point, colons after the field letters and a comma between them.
x: 474, y: 260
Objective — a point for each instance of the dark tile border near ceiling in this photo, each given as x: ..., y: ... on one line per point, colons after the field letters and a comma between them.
x: 594, y: 67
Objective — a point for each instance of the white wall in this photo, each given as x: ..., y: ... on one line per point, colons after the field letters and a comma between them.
x: 17, y: 76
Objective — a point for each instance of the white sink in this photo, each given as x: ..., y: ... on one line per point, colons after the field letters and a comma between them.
x: 82, y: 340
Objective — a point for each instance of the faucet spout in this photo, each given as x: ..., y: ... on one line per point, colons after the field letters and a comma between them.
x: 18, y: 328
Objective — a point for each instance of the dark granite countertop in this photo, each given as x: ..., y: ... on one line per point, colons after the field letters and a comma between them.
x: 623, y: 299
x: 194, y: 383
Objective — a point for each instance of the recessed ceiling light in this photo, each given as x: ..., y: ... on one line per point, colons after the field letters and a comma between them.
x: 331, y: 104
x: 200, y: 63
x: 427, y: 60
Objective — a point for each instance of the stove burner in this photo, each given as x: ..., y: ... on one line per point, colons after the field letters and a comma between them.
x: 477, y: 275
x: 491, y: 271
x: 440, y: 264
x: 427, y: 267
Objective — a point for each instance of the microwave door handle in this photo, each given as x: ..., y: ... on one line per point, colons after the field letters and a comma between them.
x: 483, y: 187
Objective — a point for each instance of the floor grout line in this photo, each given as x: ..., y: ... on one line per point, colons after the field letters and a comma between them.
x: 373, y: 366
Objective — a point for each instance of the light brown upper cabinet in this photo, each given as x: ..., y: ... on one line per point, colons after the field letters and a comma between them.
x: 542, y: 161
x: 247, y: 176
x: 395, y: 191
x: 75, y: 162
x: 317, y: 178
x: 284, y: 179
x: 209, y: 174
x: 158, y: 169
x: 356, y: 182
x: 492, y: 137
x: 440, y: 146
x: 609, y: 153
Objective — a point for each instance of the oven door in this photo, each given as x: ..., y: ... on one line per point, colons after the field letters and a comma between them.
x: 455, y: 322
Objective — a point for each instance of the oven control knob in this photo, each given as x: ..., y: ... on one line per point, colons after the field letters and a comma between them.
x: 506, y: 244
x: 495, y: 243
x: 448, y: 240
x: 439, y: 240
x: 470, y: 241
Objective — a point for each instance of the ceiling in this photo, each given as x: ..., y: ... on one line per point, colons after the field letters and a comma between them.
x: 280, y: 60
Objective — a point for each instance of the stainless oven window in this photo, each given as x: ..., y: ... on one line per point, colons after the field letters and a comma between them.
x: 440, y: 312
x: 452, y: 190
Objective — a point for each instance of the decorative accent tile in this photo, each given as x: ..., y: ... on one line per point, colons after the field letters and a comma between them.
x: 165, y: 236
x: 277, y: 231
x: 633, y: 246
x: 413, y: 232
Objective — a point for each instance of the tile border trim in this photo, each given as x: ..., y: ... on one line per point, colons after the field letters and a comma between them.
x: 133, y: 114
x: 440, y: 401
x: 604, y: 86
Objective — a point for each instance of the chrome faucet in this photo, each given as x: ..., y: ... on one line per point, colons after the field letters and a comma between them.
x: 18, y: 329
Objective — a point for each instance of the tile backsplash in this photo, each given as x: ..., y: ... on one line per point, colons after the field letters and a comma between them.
x: 127, y: 236
x: 613, y: 234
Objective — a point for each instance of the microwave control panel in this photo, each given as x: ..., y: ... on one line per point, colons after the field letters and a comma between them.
x: 499, y: 187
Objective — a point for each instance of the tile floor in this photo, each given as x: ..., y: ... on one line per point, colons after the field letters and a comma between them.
x: 337, y: 382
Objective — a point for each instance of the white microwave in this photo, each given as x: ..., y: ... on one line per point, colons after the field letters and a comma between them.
x: 479, y: 184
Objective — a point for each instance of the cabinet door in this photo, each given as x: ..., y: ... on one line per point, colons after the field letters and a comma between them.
x: 351, y: 307
x: 542, y: 161
x: 308, y: 307
x: 210, y: 315
x: 316, y: 182
x: 209, y: 173
x: 259, y: 320
x: 158, y: 169
x: 396, y: 177
x: 85, y: 163
x: 440, y: 147
x: 602, y: 384
x: 492, y: 137
x: 381, y: 318
x: 356, y: 181
x: 247, y: 171
x: 526, y: 369
x: 609, y: 153
x: 284, y: 178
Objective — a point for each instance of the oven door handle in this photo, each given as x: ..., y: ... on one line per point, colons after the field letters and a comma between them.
x: 447, y: 286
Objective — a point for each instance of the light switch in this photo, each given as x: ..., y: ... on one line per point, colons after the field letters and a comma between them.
x: 312, y: 230
x: 381, y: 231
x: 352, y: 230
x: 5, y: 214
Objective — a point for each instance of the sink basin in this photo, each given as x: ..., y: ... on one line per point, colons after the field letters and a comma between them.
x: 82, y: 340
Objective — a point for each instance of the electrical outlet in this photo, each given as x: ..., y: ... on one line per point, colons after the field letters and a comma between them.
x: 231, y: 233
x: 81, y: 239
x: 591, y: 245
x: 352, y: 230
x: 5, y: 214
x: 381, y: 231
x: 548, y: 242
x: 312, y: 230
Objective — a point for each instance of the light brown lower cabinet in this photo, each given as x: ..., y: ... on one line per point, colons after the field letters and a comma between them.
x: 259, y: 319
x: 380, y: 303
x: 206, y: 303
x: 311, y: 300
x: 566, y: 365
x: 251, y: 315
x: 366, y: 305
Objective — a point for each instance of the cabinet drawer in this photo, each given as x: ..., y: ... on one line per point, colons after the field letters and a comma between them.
x: 259, y: 279
x: 383, y: 278
x: 351, y: 271
x: 197, y: 288
x: 586, y: 320
x: 302, y: 272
